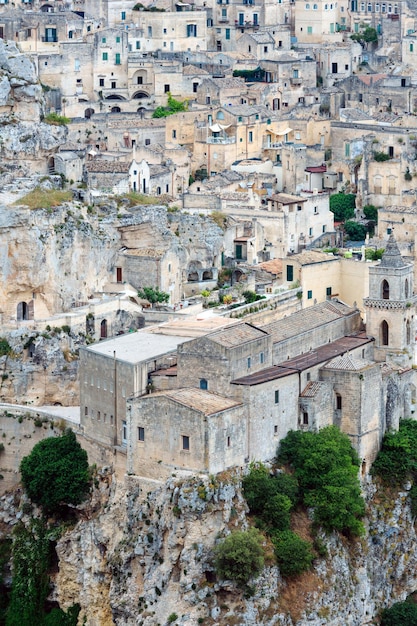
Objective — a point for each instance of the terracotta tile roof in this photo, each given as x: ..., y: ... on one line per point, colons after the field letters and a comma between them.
x: 203, y: 401
x: 312, y: 388
x: 273, y: 267
x: 371, y: 79
x: 237, y: 335
x: 305, y: 361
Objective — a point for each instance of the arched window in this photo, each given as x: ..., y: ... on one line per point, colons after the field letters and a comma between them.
x: 408, y: 332
x: 406, y: 288
x: 220, y: 115
x: 384, y: 332
x: 203, y: 384
x: 385, y: 290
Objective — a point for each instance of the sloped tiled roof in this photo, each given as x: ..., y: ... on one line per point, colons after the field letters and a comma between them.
x: 309, y: 318
x: 107, y: 167
x: 347, y: 362
x: 312, y: 388
x: 203, y: 401
x: 392, y: 255
x: 237, y: 335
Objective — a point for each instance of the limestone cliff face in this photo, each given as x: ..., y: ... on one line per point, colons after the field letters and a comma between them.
x: 143, y: 551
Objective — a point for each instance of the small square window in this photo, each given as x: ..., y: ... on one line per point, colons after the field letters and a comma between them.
x: 141, y: 433
x: 276, y: 396
x: 185, y: 442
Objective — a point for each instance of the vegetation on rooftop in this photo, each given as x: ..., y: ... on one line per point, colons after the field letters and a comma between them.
x: 174, y: 106
x: 56, y: 120
x: 44, y: 198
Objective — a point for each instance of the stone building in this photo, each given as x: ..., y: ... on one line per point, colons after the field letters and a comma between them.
x: 229, y: 397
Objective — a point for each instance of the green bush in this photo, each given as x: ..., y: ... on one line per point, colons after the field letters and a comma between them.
x: 55, y: 473
x: 293, y: 554
x: 355, y: 231
x: 153, y: 295
x: 5, y: 348
x: 56, y: 120
x: 174, y: 106
x: 400, y: 614
x: 326, y: 467
x: 397, y: 459
x: 371, y: 212
x: 276, y: 512
x: 240, y: 556
x: 343, y: 206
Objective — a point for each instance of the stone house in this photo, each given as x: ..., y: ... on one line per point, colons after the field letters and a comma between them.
x: 304, y: 371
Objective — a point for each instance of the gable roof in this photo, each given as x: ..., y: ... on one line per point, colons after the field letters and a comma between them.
x: 233, y: 336
x: 309, y: 318
x: 202, y: 401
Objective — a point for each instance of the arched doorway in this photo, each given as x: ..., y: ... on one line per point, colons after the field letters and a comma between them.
x: 103, y: 329
x: 22, y: 311
x: 88, y: 113
x: 115, y: 110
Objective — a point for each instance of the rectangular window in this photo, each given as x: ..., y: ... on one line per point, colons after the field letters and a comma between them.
x: 117, y: 60
x: 113, y: 84
x: 138, y: 45
x: 276, y: 396
x: 191, y: 30
x: 123, y: 15
x: 227, y: 33
x: 305, y: 418
x: 323, y: 228
x: 98, y: 416
x: 166, y: 88
x: 103, y: 40
x: 249, y: 362
x: 174, y: 134
x: 105, y: 56
x: 124, y: 432
x: 228, y: 442
x: 261, y: 357
x: 195, y: 87
x: 290, y: 273
x: 310, y: 232
x: 328, y: 291
x: 86, y: 410
x: 185, y: 442
x: 411, y: 47
x: 309, y: 30
x: 276, y: 429
x: 117, y: 39
x: 309, y: 294
x: 141, y: 433
x: 101, y: 82
x: 347, y: 149
x: 250, y: 136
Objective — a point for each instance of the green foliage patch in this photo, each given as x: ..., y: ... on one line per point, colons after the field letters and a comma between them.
x: 56, y: 473
x: 397, y: 459
x: 326, y: 467
x: 343, y: 206
x: 153, y: 295
x: 400, y: 614
x: 240, y: 556
x: 293, y: 554
x: 5, y: 348
x: 174, y: 106
x: 56, y: 120
x: 355, y: 231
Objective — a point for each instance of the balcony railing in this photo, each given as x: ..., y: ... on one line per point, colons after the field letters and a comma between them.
x: 246, y: 25
x: 221, y: 140
x: 296, y: 81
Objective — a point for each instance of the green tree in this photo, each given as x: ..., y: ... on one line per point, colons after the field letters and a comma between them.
x: 293, y: 554
x: 400, y: 614
x: 153, y: 295
x: 55, y: 473
x: 355, y: 231
x: 277, y: 512
x: 366, y: 35
x: 326, y: 466
x: 240, y: 556
x: 343, y: 206
x: 371, y: 212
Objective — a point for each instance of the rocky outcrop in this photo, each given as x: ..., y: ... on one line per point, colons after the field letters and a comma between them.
x: 23, y: 135
x: 142, y: 552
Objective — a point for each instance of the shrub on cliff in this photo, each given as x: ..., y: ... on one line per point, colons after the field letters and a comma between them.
x: 326, y: 466
x: 397, y: 459
x: 401, y: 613
x: 55, y: 473
x: 240, y: 556
x: 293, y: 554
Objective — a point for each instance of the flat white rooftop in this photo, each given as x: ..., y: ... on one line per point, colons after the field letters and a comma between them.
x: 137, y: 347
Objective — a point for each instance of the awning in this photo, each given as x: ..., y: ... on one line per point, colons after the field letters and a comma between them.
x: 217, y: 128
x: 283, y: 132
